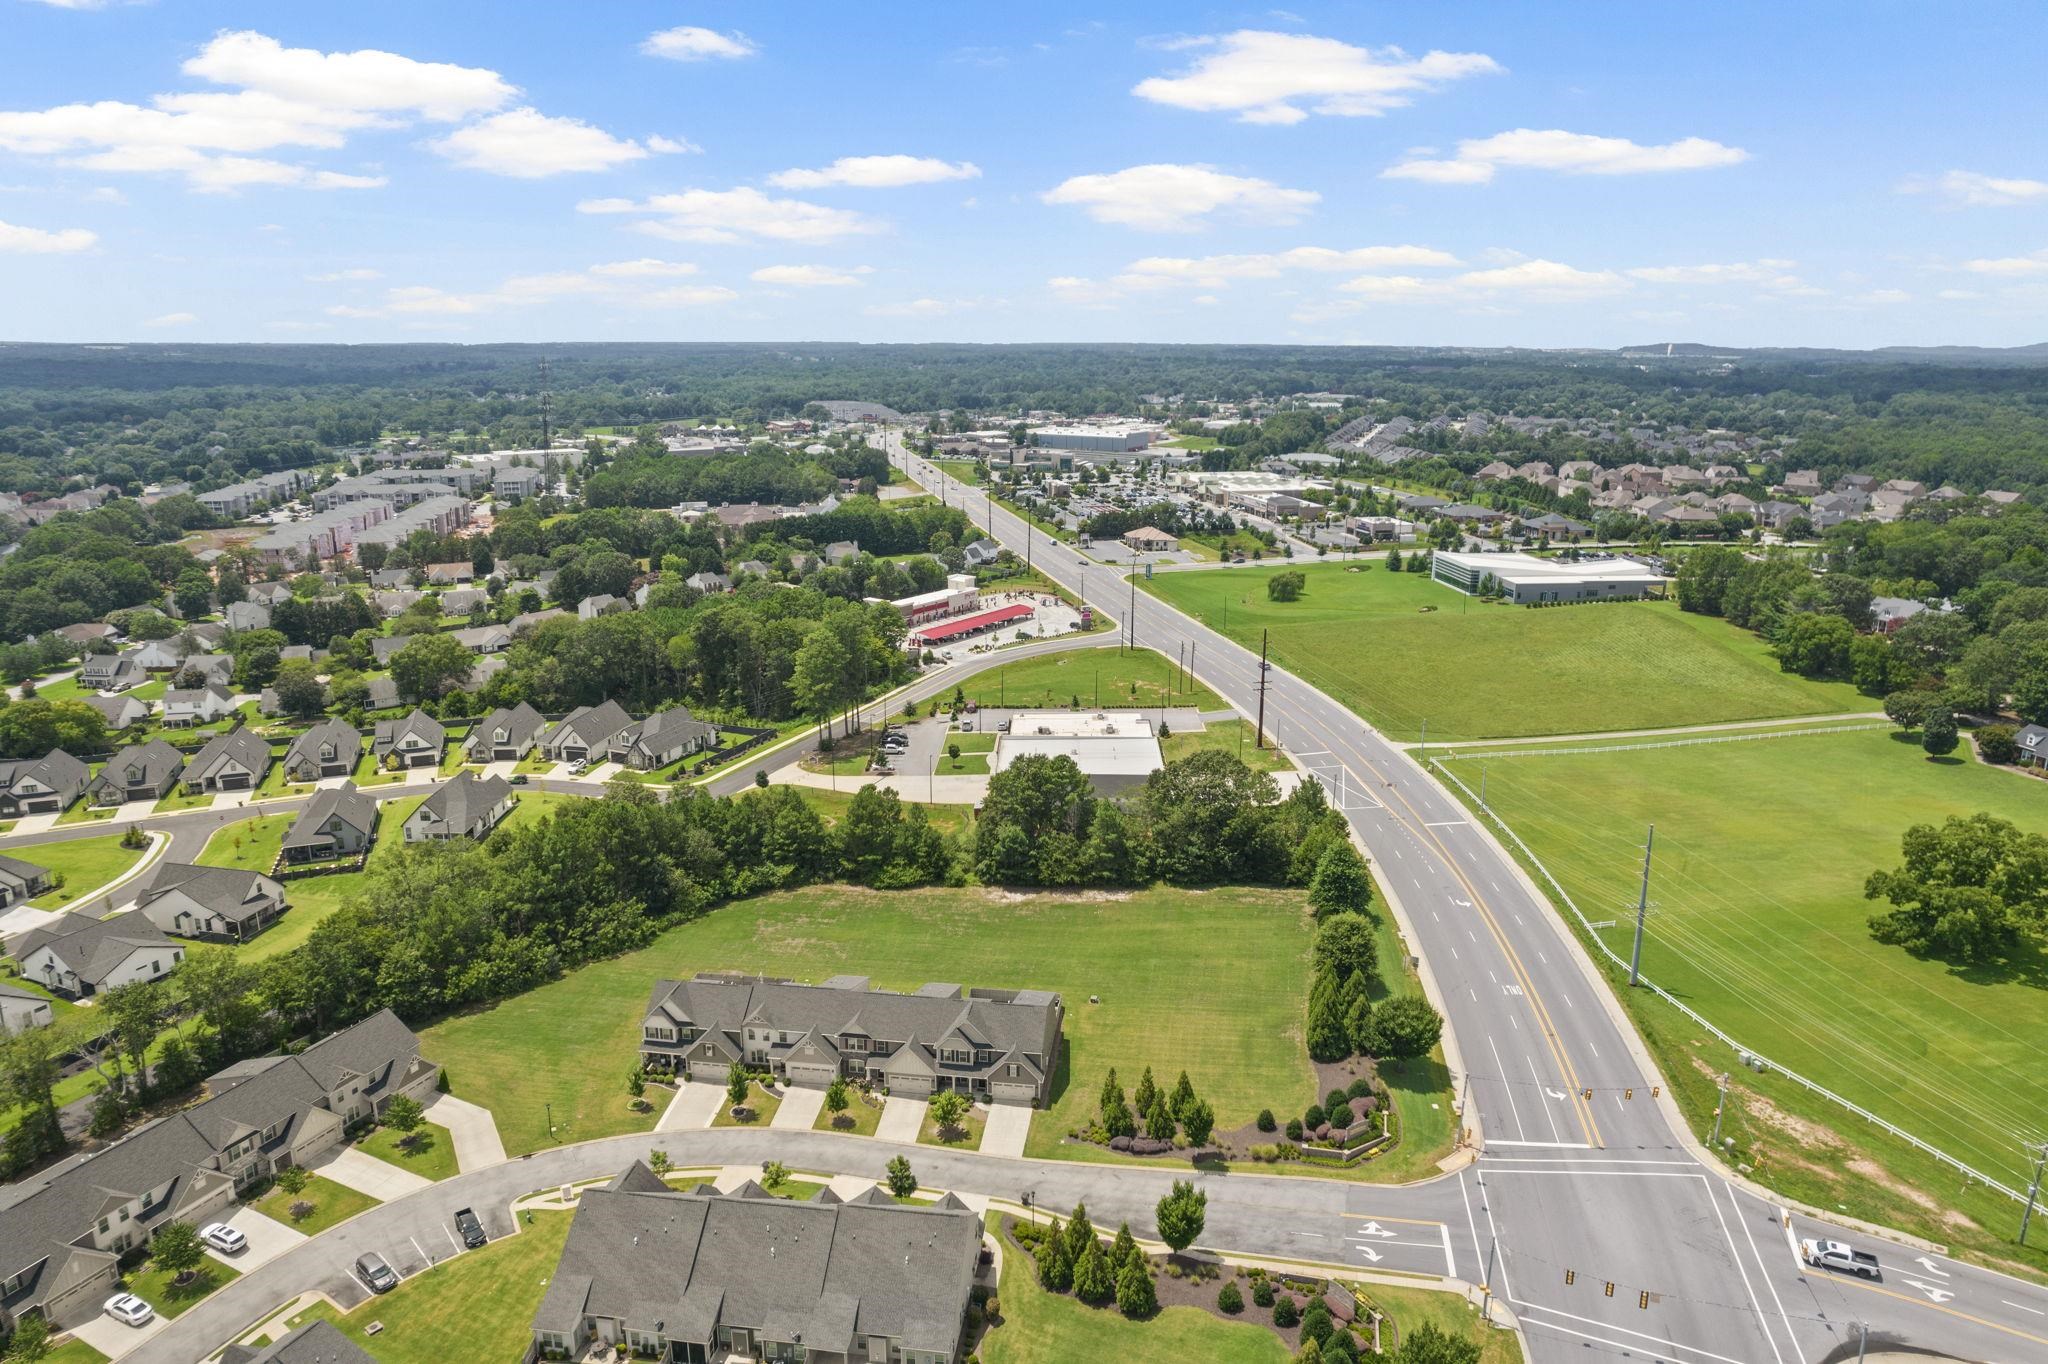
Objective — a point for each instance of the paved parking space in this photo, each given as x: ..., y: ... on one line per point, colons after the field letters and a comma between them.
x: 380, y: 1179
x: 901, y: 1119
x: 116, y: 1338
x: 268, y: 1239
x: 1008, y: 1126
x: 474, y: 1129
x: 693, y: 1107
x: 799, y: 1110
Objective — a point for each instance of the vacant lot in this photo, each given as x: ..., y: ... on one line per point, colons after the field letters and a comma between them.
x: 1371, y: 639
x: 1762, y: 848
x: 570, y: 1043
x: 252, y: 845
x: 1097, y: 677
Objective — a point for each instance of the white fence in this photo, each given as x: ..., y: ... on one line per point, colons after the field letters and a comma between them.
x: 1565, y: 899
x: 1455, y: 755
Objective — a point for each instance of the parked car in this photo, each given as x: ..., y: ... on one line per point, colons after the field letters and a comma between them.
x: 1002, y: 726
x: 1835, y: 1255
x: 519, y: 779
x: 224, y: 1238
x: 372, y: 1270
x: 471, y: 1230
x: 128, y: 1308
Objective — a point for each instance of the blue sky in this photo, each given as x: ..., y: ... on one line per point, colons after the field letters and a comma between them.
x: 1511, y: 174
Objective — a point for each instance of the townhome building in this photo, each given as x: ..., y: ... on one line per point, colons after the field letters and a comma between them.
x: 41, y: 786
x: 506, y: 734
x: 697, y: 1276
x: 584, y: 732
x: 217, y: 904
x: 235, y: 761
x: 996, y: 1046
x: 464, y: 806
x: 139, y: 772
x: 77, y: 956
x: 329, y: 749
x: 22, y: 881
x: 64, y: 1229
x: 338, y: 822
x: 662, y: 738
x: 413, y: 740
x: 317, y: 1342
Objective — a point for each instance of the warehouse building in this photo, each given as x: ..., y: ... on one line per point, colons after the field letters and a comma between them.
x: 1527, y: 580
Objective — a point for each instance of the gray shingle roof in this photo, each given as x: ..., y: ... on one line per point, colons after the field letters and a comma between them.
x: 227, y: 891
x: 357, y: 809
x: 346, y: 739
x: 318, y: 1342
x: 465, y: 798
x: 242, y: 745
x: 593, y: 726
x: 519, y: 723
x: 92, y: 947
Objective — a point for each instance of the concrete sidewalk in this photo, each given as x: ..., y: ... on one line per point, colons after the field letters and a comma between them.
x: 473, y: 1129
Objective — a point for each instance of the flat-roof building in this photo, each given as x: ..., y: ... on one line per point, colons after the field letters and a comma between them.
x: 1115, y: 750
x: 1115, y: 437
x: 1527, y: 580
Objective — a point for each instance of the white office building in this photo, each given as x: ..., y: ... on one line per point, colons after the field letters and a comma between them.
x: 1527, y: 580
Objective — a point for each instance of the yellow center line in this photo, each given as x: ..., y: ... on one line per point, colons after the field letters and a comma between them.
x: 1382, y: 1217
x: 1937, y: 1307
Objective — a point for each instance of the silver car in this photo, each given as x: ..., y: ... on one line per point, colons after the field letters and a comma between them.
x: 224, y: 1238
x: 126, y: 1307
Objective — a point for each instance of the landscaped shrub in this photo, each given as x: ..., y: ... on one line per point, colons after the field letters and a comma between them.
x: 1285, y: 1313
x: 1135, y: 1295
x: 1340, y: 1348
x: 1262, y: 1291
x: 1228, y: 1299
x: 1314, y: 1117
x: 1294, y: 1129
x: 1315, y: 1321
x: 1266, y: 1123
x: 1334, y: 1100
x: 1359, y: 1088
x: 1996, y: 744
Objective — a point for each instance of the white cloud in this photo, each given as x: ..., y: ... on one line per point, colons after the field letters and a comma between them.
x: 1082, y: 293
x: 75, y: 4
x: 733, y: 215
x: 917, y: 307
x: 105, y: 194
x: 2034, y: 264
x: 1265, y: 77
x: 672, y: 146
x: 618, y: 282
x: 282, y: 97
x: 1541, y: 280
x: 526, y: 144
x: 171, y: 320
x: 1971, y: 189
x: 691, y: 44
x: 1553, y: 149
x: 1172, y: 198
x: 689, y: 296
x: 1958, y: 295
x: 877, y: 172
x: 1211, y: 272
x: 36, y: 241
x: 1884, y: 296
x: 809, y: 276
x: 644, y: 268
x: 1739, y: 272
x: 342, y: 276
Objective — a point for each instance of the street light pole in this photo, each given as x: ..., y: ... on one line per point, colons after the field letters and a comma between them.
x: 1635, y: 956
x: 2034, y: 1190
x: 1721, y: 1107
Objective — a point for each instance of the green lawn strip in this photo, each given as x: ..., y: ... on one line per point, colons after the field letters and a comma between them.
x: 181, y: 799
x: 152, y: 690
x: 1761, y: 853
x: 367, y: 772
x: 154, y: 1285
x: 570, y: 1042
x: 86, y: 864
x: 966, y: 765
x: 833, y: 805
x: 1466, y: 666
x: 70, y: 689
x: 1414, y: 1308
x: 965, y: 1137
x: 332, y: 1204
x: 963, y: 470
x: 85, y: 812
x: 1103, y: 677
x: 861, y: 1116
x: 432, y: 1155
x: 529, y: 806
x: 434, y: 1316
x: 1236, y: 737
x: 74, y: 1352
x: 250, y: 845
x: 1191, y: 443
x: 533, y: 764
x: 760, y: 1108
x: 1044, y: 1328
x: 795, y: 1190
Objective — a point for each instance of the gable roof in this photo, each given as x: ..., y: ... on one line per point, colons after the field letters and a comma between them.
x: 592, y: 725
x: 417, y: 722
x: 239, y: 745
x: 157, y: 760
x: 90, y: 947
x: 663, y: 730
x: 228, y: 891
x: 317, y: 1342
x: 354, y: 808
x: 464, y: 799
x: 518, y: 722
x: 344, y: 736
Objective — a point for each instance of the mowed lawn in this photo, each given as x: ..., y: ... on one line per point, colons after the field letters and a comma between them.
x: 1107, y: 676
x: 1762, y: 848
x: 1479, y: 671
x: 1146, y: 955
x: 86, y: 864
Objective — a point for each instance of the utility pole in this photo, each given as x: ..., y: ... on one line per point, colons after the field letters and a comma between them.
x: 1425, y: 742
x: 1635, y: 956
x: 1720, y: 1107
x: 1482, y: 786
x: 547, y: 409
x: 1134, y: 615
x: 1264, y: 667
x: 2034, y: 1190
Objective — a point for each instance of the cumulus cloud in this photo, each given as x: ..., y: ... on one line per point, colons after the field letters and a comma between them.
x: 688, y: 296
x: 1164, y: 197
x: 917, y: 307
x: 1266, y: 77
x: 1211, y: 272
x: 876, y: 172
x: 672, y: 146
x: 1553, y: 149
x: 526, y: 144
x: 1971, y: 189
x: 354, y: 81
x: 645, y: 268
x: 809, y: 276
x: 690, y: 44
x: 617, y: 282
x: 1539, y: 280
x: 36, y: 241
x: 2035, y: 263
x: 735, y: 215
x: 346, y: 276
x: 171, y: 320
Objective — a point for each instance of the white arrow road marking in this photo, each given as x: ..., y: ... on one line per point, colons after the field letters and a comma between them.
x: 1556, y: 1094
x: 1373, y: 1229
x: 1935, y: 1293
x: 1932, y: 1268
x: 1368, y: 1252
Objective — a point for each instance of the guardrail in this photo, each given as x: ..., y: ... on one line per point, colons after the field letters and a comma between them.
x: 1564, y: 897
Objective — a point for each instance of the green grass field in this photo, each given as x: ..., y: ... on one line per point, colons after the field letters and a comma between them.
x: 1099, y: 677
x: 1235, y: 737
x: 1478, y: 671
x: 431, y: 1156
x: 569, y: 1043
x: 85, y: 863
x: 1762, y: 848
x: 154, y: 1286
x: 332, y: 1204
x: 252, y: 846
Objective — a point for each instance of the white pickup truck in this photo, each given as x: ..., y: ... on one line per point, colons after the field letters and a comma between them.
x: 1835, y: 1255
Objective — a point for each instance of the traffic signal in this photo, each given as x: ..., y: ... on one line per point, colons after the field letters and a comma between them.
x: 1570, y: 1275
x: 1610, y: 1289
x: 1644, y: 1301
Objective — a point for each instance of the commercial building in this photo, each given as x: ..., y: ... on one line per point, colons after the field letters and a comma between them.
x: 1527, y: 580
x: 1115, y: 750
x: 957, y: 597
x: 955, y: 628
x: 1149, y: 540
x: 995, y: 1046
x: 1108, y: 437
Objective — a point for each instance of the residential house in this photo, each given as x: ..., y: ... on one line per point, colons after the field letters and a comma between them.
x: 464, y: 806
x: 21, y: 881
x: 602, y: 604
x: 1801, y: 483
x: 390, y: 577
x: 235, y: 761
x: 383, y: 694
x: 329, y: 749
x: 76, y: 955
x: 394, y: 601
x: 585, y: 731
x: 699, y: 1275
x: 158, y: 655
x: 461, y: 601
x: 752, y: 568
x: 111, y: 672
x: 22, y: 1009
x: 184, y: 708
x: 64, y: 1229
x: 383, y: 647
x: 708, y: 583
x: 841, y: 552
x: 1551, y: 524
x: 118, y: 711
x: 139, y: 772
x: 41, y: 786
x: 1494, y: 472
x: 2002, y: 499
x: 1908, y: 486
x: 413, y: 740
x: 662, y: 738
x: 443, y: 575
x: 483, y: 639
x: 338, y: 822
x: 2032, y: 745
x: 1832, y: 509
x: 88, y: 632
x: 317, y: 1342
x: 530, y: 620
x: 980, y: 553
x: 993, y: 1045
x: 1889, y: 613
x: 505, y: 735
x: 271, y: 594
x: 1733, y: 502
x: 1778, y: 515
x: 1889, y: 504
x: 247, y: 615
x: 218, y: 904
